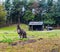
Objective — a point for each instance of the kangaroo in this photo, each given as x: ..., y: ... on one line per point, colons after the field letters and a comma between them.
x: 21, y: 32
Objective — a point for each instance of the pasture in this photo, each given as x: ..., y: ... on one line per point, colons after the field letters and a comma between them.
x: 48, y: 39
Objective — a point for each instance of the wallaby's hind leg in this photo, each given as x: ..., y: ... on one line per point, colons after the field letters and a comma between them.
x: 20, y: 35
x: 24, y: 36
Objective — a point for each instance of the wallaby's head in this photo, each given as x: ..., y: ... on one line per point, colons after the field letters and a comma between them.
x: 18, y: 27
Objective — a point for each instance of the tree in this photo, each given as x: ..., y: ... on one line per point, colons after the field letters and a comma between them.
x: 48, y: 19
x: 16, y: 10
x: 2, y: 15
x: 45, y: 11
x: 40, y: 8
x: 56, y: 12
x: 48, y: 16
x: 28, y: 16
x: 7, y: 8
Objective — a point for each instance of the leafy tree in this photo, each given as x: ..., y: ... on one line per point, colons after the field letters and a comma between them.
x: 47, y: 12
x: 48, y: 19
x: 48, y: 16
x: 7, y: 8
x: 28, y: 16
x: 2, y: 15
x: 13, y: 9
x: 56, y: 12
x: 7, y: 5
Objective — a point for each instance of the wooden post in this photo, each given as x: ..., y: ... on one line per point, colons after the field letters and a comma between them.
x: 32, y: 27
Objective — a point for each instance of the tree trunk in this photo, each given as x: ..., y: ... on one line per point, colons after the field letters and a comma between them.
x: 18, y: 20
x: 11, y: 20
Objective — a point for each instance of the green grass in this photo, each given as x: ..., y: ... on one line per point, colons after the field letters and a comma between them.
x: 9, y: 34
x: 13, y: 27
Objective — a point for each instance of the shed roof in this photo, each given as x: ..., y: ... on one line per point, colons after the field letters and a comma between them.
x: 35, y: 23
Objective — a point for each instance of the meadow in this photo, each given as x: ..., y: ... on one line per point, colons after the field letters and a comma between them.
x: 10, y: 33
x: 45, y: 40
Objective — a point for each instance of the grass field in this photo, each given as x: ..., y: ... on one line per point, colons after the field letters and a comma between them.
x: 9, y: 34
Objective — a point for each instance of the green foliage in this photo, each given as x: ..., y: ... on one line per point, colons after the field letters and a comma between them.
x: 28, y: 16
x: 7, y: 5
x: 50, y: 2
x: 13, y: 36
x: 2, y: 15
x: 52, y: 12
x: 7, y: 41
x: 24, y: 39
x: 48, y: 19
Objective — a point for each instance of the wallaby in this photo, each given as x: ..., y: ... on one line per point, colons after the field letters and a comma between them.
x: 21, y: 32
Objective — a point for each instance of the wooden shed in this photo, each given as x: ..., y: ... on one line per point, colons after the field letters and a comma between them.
x: 36, y: 26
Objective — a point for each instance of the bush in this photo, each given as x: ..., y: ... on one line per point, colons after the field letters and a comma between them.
x: 2, y: 15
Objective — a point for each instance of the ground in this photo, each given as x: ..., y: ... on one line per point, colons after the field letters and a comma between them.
x: 37, y: 41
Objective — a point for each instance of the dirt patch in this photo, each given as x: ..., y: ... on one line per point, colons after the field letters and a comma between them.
x: 40, y: 39
x: 31, y: 37
x: 23, y: 42
x: 32, y: 45
x: 30, y: 41
x: 13, y: 44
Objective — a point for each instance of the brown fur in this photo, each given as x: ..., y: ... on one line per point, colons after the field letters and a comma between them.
x: 21, y: 32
